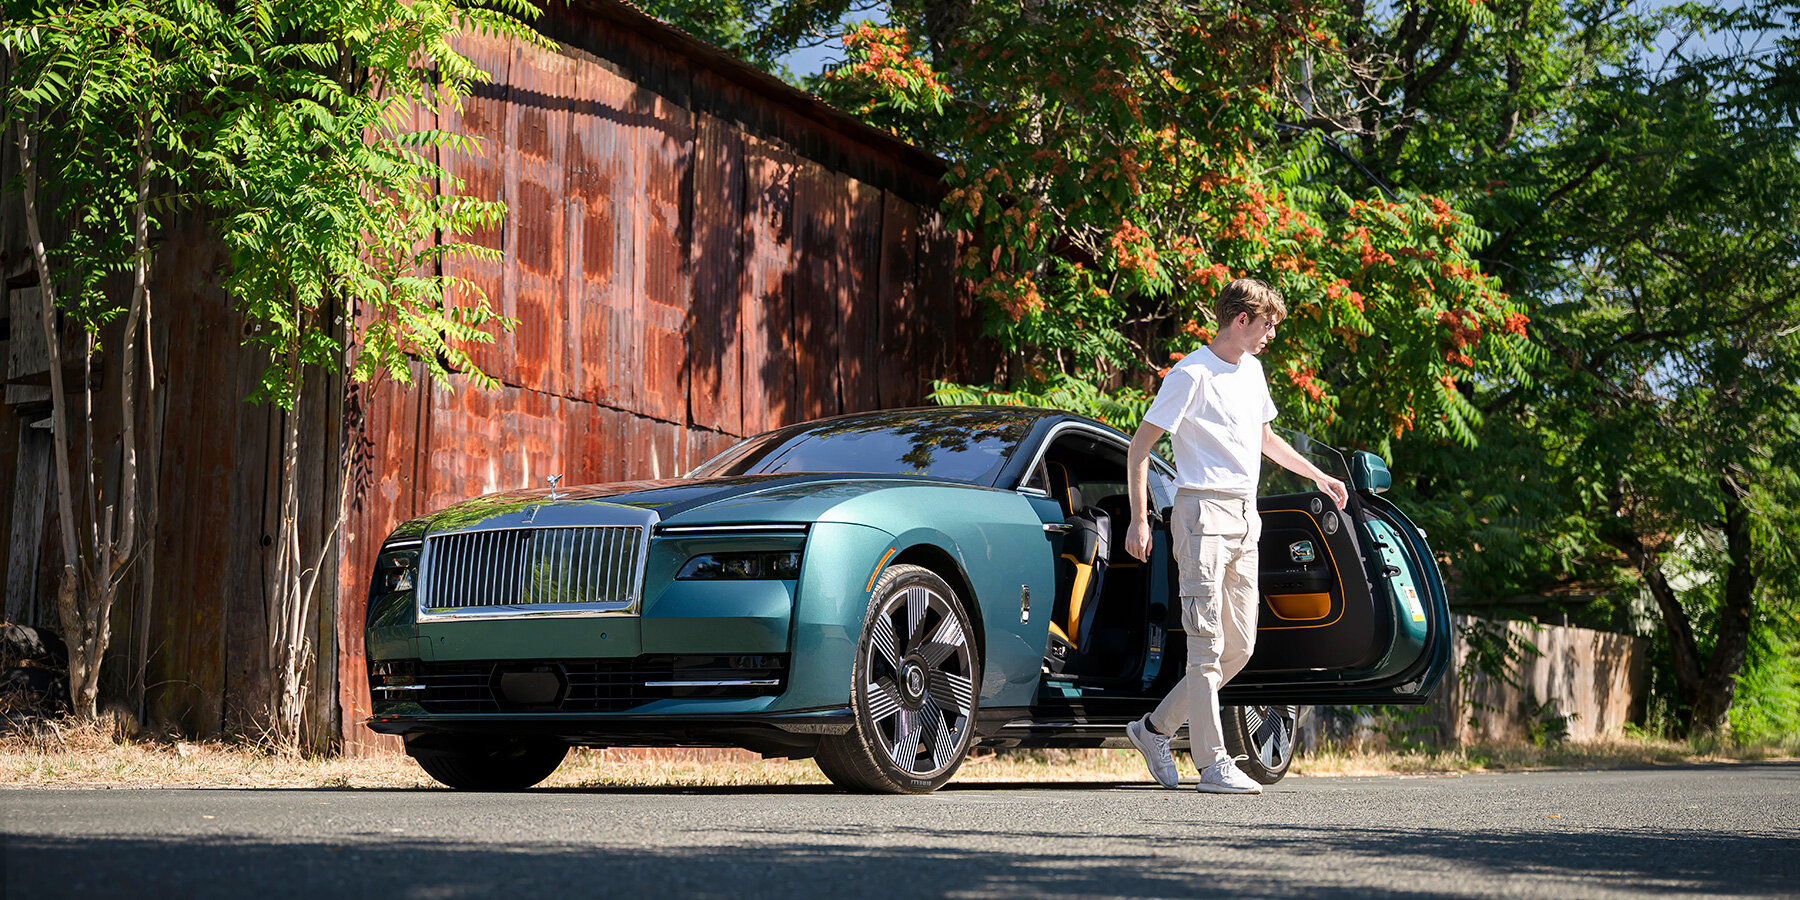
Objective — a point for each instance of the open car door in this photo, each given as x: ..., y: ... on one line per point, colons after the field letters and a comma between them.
x: 1353, y: 608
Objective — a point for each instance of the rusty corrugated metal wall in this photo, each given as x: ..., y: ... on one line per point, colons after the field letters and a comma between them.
x: 693, y: 252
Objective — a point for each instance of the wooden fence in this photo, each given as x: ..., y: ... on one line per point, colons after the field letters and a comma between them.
x: 1575, y: 682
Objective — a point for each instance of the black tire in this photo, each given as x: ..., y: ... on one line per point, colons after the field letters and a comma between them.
x: 914, y: 691
x: 492, y: 765
x: 1264, y: 735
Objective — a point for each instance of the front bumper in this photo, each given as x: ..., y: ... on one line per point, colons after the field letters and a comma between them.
x: 793, y: 734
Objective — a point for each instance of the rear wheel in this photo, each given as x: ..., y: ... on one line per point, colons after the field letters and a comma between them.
x: 913, y: 693
x: 490, y: 765
x: 1264, y: 735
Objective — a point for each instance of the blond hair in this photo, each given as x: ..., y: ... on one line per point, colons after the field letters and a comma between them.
x: 1248, y: 296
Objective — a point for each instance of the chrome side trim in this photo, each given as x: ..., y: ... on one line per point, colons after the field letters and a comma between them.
x: 1058, y: 528
x: 740, y: 682
x: 402, y: 545
x: 1114, y: 438
x: 731, y: 529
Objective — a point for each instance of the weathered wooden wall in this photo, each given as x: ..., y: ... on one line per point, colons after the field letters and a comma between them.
x: 1590, y: 682
x: 693, y: 253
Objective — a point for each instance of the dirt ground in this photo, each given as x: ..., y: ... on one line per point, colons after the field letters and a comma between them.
x: 59, y: 753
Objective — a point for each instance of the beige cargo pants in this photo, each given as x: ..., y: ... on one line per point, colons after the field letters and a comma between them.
x: 1213, y: 538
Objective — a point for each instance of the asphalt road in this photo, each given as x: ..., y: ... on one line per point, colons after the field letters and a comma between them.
x: 1690, y: 831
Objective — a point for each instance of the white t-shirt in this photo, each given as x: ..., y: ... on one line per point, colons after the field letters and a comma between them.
x: 1214, y: 413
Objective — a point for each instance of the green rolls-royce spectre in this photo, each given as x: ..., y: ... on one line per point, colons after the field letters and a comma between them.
x: 880, y: 592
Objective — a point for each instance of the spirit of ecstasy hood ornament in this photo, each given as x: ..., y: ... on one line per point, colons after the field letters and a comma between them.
x: 553, y: 479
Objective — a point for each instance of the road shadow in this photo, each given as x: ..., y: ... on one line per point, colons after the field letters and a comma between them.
x: 720, y: 859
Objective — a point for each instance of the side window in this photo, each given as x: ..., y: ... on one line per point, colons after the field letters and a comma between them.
x: 1037, y: 481
x: 1162, y: 488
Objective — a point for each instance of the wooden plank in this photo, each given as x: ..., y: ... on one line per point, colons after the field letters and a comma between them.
x: 484, y: 174
x: 900, y: 376
x: 538, y: 115
x: 597, y: 436
x: 533, y: 448
x: 386, y: 416
x: 766, y: 297
x: 703, y: 445
x: 463, y: 430
x: 601, y: 200
x: 715, y: 357
x: 31, y: 498
x: 665, y: 144
x: 655, y: 449
x: 858, y: 296
x: 819, y: 212
x: 943, y: 355
x: 251, y: 468
x: 26, y: 351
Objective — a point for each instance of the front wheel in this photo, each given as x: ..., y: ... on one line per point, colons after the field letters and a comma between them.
x: 490, y: 765
x: 913, y: 690
x: 1264, y: 735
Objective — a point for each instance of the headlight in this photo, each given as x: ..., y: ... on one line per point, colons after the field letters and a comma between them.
x: 776, y: 565
x: 395, y: 571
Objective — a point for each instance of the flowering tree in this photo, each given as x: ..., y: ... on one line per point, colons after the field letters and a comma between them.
x: 1114, y: 166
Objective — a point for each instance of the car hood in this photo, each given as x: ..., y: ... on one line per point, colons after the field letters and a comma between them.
x: 741, y: 498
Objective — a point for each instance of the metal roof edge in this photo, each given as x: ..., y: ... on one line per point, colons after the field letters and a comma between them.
x: 734, y: 69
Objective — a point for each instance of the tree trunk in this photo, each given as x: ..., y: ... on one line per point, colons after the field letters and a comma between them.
x: 1684, y: 649
x: 83, y: 680
x: 1714, y: 693
x: 290, y: 643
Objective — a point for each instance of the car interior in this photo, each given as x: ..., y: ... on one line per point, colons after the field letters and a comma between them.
x: 1109, y: 629
x: 1102, y: 611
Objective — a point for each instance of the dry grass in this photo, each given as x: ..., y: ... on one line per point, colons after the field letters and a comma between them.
x: 1606, y: 753
x: 57, y: 754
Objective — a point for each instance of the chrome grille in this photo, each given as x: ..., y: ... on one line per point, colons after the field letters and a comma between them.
x: 585, y: 570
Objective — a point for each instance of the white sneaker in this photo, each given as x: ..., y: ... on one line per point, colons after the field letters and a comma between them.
x: 1224, y: 777
x: 1155, y: 748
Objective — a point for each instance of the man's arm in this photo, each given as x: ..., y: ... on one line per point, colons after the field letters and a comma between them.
x: 1137, y: 488
x: 1290, y: 459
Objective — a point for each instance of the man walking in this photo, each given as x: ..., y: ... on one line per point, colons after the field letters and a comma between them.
x: 1216, y: 407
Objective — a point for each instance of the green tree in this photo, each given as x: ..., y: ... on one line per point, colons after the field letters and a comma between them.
x: 288, y: 123
x: 1114, y: 164
x: 1550, y: 164
x: 1642, y: 204
x: 91, y: 101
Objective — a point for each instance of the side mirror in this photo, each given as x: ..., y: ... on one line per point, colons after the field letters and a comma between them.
x: 1369, y: 473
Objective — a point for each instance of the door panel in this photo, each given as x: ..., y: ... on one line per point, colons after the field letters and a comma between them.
x: 1316, y: 610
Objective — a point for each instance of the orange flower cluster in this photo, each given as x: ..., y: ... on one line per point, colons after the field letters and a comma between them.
x: 1366, y: 250
x: 1403, y: 422
x: 1174, y: 358
x: 888, y: 60
x: 1016, y: 298
x: 1215, y: 274
x: 1515, y: 324
x: 1194, y: 329
x: 1131, y: 246
x: 1461, y: 335
x: 1465, y: 331
x: 1338, y: 288
x: 1306, y: 379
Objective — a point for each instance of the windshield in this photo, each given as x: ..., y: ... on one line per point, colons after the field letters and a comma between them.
x: 1277, y: 480
x: 969, y: 445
